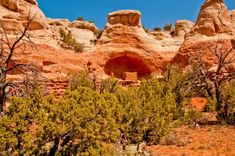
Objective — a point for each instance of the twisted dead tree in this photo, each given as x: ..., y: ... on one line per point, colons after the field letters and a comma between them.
x: 8, y: 48
x: 211, y: 79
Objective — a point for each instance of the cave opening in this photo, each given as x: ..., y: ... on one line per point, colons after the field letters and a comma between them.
x: 119, y: 66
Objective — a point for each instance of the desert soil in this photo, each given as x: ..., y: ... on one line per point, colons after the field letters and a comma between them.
x: 209, y: 140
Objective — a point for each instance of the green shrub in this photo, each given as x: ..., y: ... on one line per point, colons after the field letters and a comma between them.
x: 148, y: 111
x: 80, y: 18
x: 68, y: 41
x: 146, y: 30
x: 229, y: 101
x: 89, y: 122
x: 168, y: 27
x: 157, y: 29
x: 99, y: 33
x: 191, y: 116
x: 81, y: 79
x: 219, y: 92
x: 83, y: 123
x: 211, y: 106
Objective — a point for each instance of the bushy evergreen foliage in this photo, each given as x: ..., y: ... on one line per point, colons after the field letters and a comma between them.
x: 81, y: 79
x: 68, y: 41
x: 82, y: 122
x: 95, y: 121
x: 88, y: 121
x: 229, y: 101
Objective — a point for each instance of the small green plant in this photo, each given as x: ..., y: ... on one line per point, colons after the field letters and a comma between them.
x: 80, y: 18
x: 146, y: 30
x: 68, y: 41
x: 191, y: 116
x: 89, y: 121
x: 99, y: 33
x: 157, y: 29
x: 168, y: 27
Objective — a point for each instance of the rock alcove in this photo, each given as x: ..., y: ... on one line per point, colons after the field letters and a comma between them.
x: 122, y: 65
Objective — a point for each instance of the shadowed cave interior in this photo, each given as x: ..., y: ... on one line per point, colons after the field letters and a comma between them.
x: 118, y: 66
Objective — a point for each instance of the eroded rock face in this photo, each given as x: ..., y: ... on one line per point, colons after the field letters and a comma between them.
x: 83, y: 25
x: 172, y: 40
x: 214, y: 18
x: 10, y: 4
x: 82, y: 31
x: 34, y: 2
x: 182, y: 27
x: 125, y: 17
x: 19, y: 10
x: 124, y: 39
x: 168, y: 41
x: 213, y: 25
x: 232, y: 16
x: 58, y: 22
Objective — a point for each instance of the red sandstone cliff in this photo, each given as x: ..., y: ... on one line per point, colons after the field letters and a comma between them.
x: 124, y: 45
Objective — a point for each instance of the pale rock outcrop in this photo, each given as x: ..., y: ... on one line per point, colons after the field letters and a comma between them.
x: 214, y: 18
x: 19, y: 10
x: 58, y: 22
x: 10, y: 4
x: 167, y: 40
x: 83, y: 25
x: 171, y: 41
x: 213, y: 25
x: 124, y: 46
x: 182, y: 27
x: 232, y: 16
x: 125, y: 17
x: 14, y: 14
x: 84, y: 37
x: 82, y: 31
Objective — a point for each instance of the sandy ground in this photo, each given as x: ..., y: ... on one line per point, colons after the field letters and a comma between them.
x: 209, y: 140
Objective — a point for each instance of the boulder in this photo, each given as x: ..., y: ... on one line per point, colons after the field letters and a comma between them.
x: 199, y: 103
x: 182, y: 27
x: 213, y: 26
x: 83, y: 25
x: 213, y: 19
x: 125, y: 17
x: 58, y: 22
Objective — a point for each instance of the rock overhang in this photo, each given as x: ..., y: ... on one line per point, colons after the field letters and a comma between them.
x: 125, y: 17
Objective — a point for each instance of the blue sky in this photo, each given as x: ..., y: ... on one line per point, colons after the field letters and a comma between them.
x: 154, y: 12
